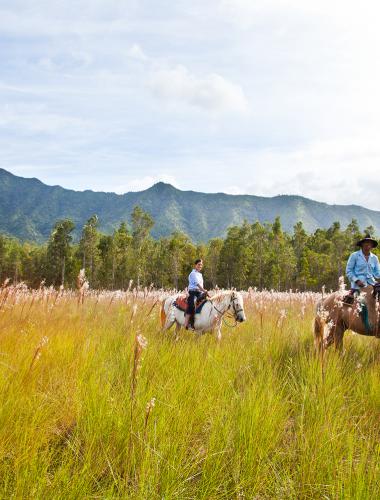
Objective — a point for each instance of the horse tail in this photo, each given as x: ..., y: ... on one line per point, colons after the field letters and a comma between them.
x: 163, y: 314
x: 319, y: 328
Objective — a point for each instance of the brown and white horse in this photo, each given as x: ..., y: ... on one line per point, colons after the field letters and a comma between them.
x: 334, y: 316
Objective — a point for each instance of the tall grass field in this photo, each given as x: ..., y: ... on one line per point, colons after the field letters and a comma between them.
x: 97, y: 402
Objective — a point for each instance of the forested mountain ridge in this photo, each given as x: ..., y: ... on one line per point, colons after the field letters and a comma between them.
x: 29, y: 209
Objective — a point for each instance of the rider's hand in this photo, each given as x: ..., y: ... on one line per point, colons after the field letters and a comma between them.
x: 360, y: 283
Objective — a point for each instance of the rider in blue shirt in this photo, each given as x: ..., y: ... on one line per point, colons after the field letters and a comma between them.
x: 196, y: 290
x: 363, y: 266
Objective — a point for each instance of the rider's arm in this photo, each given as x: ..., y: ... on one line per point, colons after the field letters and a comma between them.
x: 199, y: 286
x: 376, y: 271
x: 350, y: 268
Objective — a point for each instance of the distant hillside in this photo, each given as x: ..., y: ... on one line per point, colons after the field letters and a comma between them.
x: 29, y: 208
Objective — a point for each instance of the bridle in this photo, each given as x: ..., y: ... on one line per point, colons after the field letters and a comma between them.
x: 237, y: 309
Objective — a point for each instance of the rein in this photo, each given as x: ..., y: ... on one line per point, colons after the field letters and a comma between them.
x: 228, y: 325
x: 231, y: 315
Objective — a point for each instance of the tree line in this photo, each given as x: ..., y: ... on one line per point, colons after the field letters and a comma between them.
x: 250, y: 255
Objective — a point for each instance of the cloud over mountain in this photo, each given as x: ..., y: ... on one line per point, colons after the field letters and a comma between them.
x: 211, y: 92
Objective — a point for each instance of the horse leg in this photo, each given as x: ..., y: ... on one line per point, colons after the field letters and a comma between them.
x: 338, y: 336
x: 331, y: 332
x: 328, y: 330
x: 318, y: 334
x: 219, y: 331
x: 169, y: 321
x: 177, y: 330
x: 167, y: 326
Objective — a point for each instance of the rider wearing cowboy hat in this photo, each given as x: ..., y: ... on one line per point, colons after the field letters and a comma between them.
x: 363, y: 266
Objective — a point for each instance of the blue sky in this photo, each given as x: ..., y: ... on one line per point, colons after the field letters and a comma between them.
x: 241, y: 96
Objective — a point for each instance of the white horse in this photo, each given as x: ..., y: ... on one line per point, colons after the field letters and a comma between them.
x: 210, y: 318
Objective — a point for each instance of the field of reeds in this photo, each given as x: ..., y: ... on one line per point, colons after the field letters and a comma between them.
x: 97, y: 402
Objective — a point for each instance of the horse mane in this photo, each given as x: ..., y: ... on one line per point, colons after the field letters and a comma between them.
x: 218, y: 297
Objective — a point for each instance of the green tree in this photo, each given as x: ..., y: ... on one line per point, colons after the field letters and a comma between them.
x: 178, y: 247
x: 283, y: 260
x: 214, y: 249
x: 14, y: 260
x: 258, y: 255
x: 122, y: 257
x: 236, y: 257
x: 33, y: 266
x: 341, y: 242
x: 106, y: 255
x: 3, y: 253
x: 299, y: 242
x: 142, y: 224
x: 88, y: 247
x: 59, y: 251
x: 259, y: 244
x: 353, y: 233
x: 303, y: 270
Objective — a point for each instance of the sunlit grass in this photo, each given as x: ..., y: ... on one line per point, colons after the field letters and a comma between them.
x: 253, y: 416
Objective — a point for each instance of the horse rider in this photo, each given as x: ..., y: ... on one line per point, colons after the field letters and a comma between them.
x: 363, y: 266
x: 196, y: 290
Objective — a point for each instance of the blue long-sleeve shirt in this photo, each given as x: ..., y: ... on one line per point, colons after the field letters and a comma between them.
x: 359, y: 268
x: 195, y: 280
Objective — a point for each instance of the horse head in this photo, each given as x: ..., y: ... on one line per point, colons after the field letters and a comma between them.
x: 237, y: 306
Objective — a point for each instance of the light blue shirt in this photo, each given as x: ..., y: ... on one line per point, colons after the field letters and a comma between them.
x: 358, y: 268
x: 195, y: 279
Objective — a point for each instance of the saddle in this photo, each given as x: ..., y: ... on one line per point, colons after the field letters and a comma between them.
x: 181, y: 303
x: 353, y: 295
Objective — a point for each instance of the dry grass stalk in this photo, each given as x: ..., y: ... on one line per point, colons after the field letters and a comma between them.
x: 141, y: 344
x: 4, y: 292
x: 82, y: 286
x: 151, y: 309
x: 148, y: 410
x: 37, y: 353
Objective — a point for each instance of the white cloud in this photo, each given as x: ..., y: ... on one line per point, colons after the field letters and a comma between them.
x: 340, y: 11
x: 52, y: 18
x: 78, y: 89
x: 233, y: 190
x: 341, y: 171
x: 66, y: 60
x: 38, y: 119
x: 245, y: 13
x: 136, y: 52
x: 211, y: 92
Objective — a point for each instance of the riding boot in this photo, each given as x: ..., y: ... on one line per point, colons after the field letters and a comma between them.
x: 349, y: 299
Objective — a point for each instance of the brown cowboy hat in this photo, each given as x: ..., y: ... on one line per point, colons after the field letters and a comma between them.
x: 367, y: 238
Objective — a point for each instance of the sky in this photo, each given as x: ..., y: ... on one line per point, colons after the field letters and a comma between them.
x: 261, y: 97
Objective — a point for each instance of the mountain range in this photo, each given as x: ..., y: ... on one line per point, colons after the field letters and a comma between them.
x: 29, y: 208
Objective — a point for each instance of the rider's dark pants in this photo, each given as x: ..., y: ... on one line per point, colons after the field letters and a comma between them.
x: 194, y: 295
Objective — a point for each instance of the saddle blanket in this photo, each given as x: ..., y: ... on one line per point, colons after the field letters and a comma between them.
x: 181, y: 304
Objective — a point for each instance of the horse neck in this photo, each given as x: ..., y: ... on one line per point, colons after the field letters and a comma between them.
x: 223, y: 302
